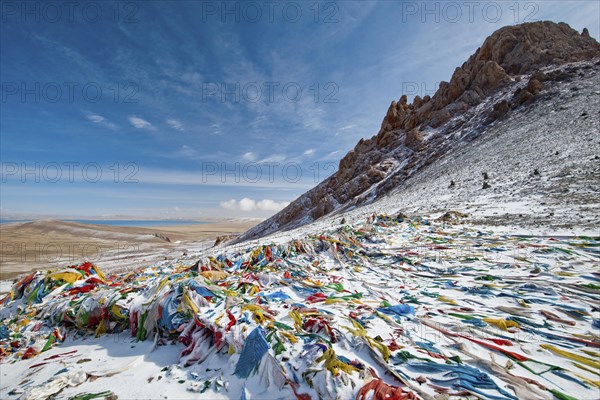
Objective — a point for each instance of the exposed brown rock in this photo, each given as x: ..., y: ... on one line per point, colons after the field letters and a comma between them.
x: 499, y: 110
x: 324, y: 206
x: 522, y: 96
x: 375, y: 174
x: 518, y: 48
x: 585, y: 33
x: 417, y: 102
x: 534, y: 86
x: 459, y: 82
x: 471, y: 97
x: 509, y: 51
x: 424, y: 112
x: 403, y: 100
x: 504, y: 57
x: 540, y: 76
x: 347, y: 161
x: 386, y: 138
x: 456, y: 108
x: 512, y: 50
x: 490, y: 76
x: 452, y: 216
x: 439, y: 118
x: 414, y: 139
x: 224, y: 239
x: 411, y: 122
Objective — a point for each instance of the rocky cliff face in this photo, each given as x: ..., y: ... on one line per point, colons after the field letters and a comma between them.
x: 507, y: 53
x: 415, y: 135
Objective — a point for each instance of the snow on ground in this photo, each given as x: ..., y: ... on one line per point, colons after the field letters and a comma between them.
x: 5, y: 286
x: 498, y: 303
x: 425, y: 305
x: 541, y: 161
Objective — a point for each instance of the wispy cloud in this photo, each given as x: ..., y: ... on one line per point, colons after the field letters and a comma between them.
x: 140, y: 123
x: 100, y: 120
x: 175, y: 124
x: 249, y: 156
x: 215, y: 129
x: 247, y: 204
x: 274, y: 158
x: 187, y: 151
x: 154, y: 84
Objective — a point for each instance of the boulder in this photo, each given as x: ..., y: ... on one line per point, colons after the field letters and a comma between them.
x: 490, y: 77
x: 438, y: 118
x: 534, y: 86
x: 414, y: 139
x: 499, y: 110
x: 540, y: 76
x: 470, y: 97
x: 522, y: 96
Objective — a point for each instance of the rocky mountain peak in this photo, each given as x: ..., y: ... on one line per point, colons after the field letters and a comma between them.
x: 379, y: 164
x: 509, y: 52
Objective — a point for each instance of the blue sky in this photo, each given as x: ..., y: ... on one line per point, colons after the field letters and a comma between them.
x: 213, y: 109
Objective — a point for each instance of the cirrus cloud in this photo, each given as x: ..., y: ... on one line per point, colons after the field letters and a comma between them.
x: 175, y: 124
x: 100, y: 120
x: 140, y: 123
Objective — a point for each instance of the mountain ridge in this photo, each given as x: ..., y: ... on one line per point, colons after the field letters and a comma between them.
x: 413, y: 136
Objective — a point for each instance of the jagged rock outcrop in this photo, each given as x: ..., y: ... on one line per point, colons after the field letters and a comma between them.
x: 508, y: 52
x: 402, y: 145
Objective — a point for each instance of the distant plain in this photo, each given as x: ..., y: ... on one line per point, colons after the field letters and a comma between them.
x: 47, y: 244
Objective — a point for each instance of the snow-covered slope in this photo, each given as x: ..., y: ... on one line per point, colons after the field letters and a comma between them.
x: 542, y: 162
x: 526, y: 101
x: 386, y: 307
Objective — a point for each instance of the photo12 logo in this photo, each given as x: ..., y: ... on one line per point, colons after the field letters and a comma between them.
x: 70, y: 92
x: 69, y: 252
x: 421, y: 89
x: 269, y: 12
x: 269, y: 92
x: 69, y: 171
x: 52, y: 12
x: 469, y: 11
x: 266, y: 172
